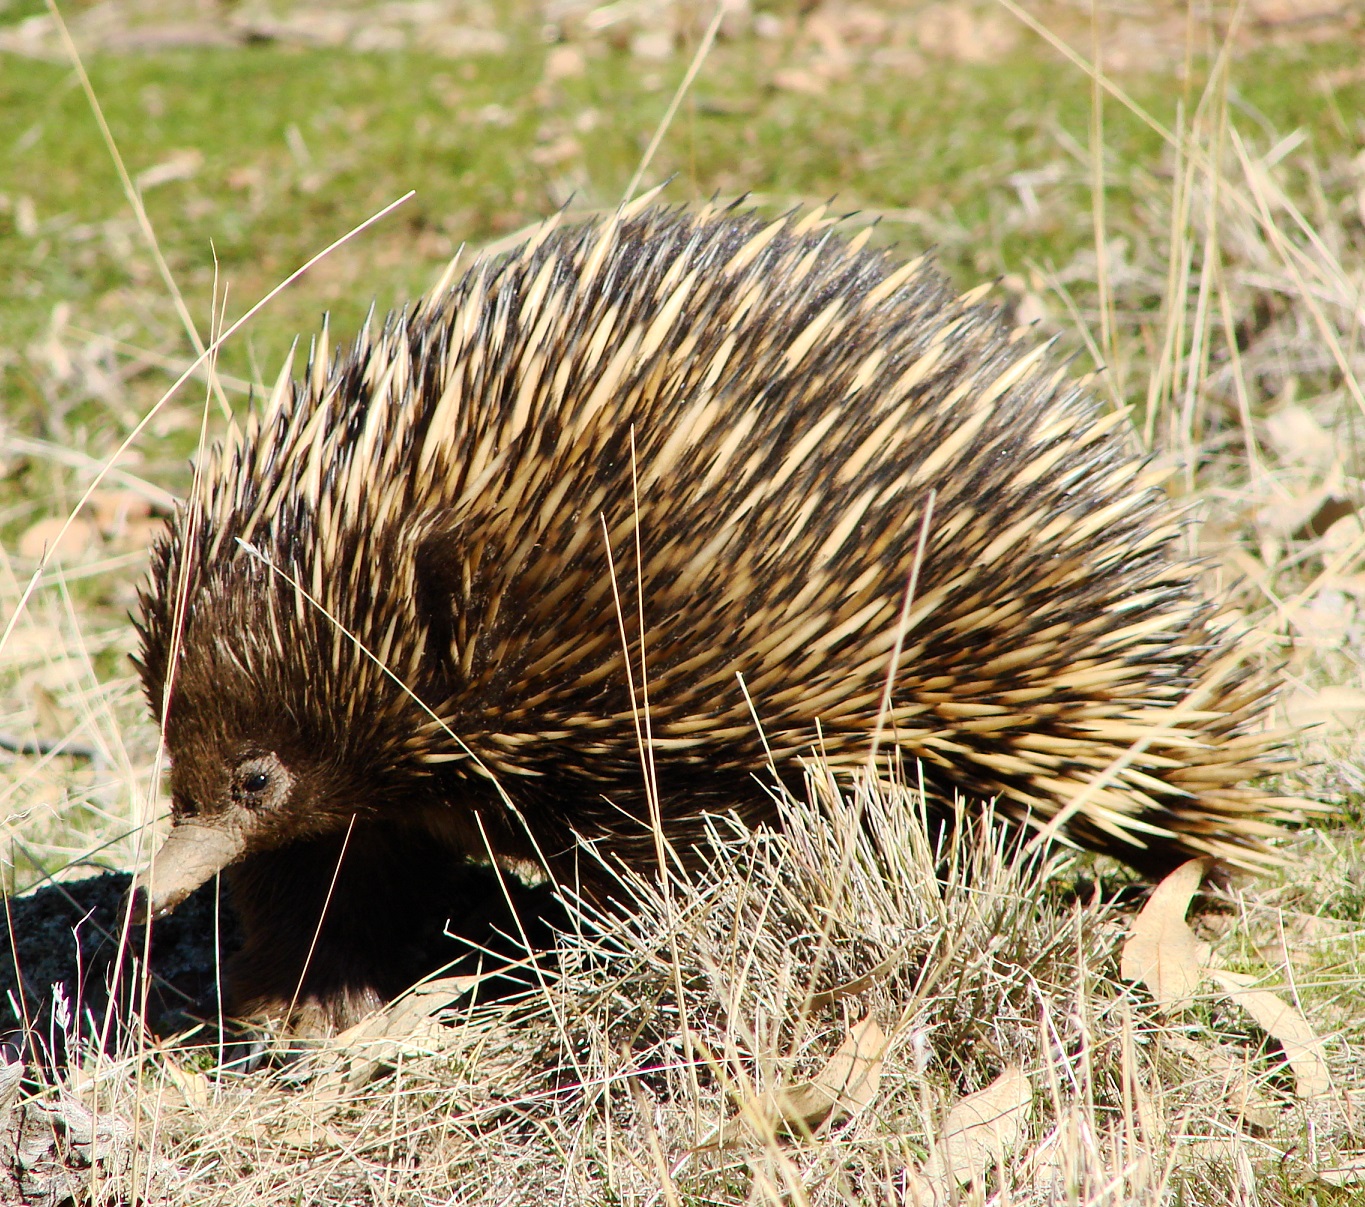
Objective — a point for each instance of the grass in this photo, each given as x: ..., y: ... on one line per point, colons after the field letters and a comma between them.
x: 1223, y: 295
x: 488, y: 148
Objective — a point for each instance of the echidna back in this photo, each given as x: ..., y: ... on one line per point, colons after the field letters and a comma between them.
x: 648, y: 493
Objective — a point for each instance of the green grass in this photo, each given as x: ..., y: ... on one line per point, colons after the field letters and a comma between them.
x: 298, y: 146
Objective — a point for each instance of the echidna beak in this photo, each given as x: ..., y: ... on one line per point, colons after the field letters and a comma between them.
x: 190, y: 856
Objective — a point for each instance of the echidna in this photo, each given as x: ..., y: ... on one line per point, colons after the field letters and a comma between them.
x: 661, y: 481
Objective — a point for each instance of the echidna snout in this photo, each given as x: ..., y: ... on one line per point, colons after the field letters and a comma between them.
x: 250, y: 798
x: 430, y: 578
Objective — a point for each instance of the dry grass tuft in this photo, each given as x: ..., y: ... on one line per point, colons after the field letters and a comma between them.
x: 837, y: 1012
x: 841, y: 1011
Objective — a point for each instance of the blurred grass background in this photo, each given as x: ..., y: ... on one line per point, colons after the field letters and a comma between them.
x: 253, y: 157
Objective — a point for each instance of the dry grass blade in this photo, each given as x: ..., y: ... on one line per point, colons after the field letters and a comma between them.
x: 1161, y: 951
x: 827, y: 997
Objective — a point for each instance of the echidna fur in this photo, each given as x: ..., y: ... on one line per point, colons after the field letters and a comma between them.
x: 411, y: 591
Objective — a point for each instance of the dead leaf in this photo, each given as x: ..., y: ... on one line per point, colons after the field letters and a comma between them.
x: 946, y: 31
x: 652, y: 45
x: 1287, y: 515
x: 311, y: 1134
x: 1161, y: 951
x: 844, y: 1086
x: 1303, y: 1049
x: 192, y: 1085
x: 1325, y: 621
x: 853, y: 1075
x: 114, y: 508
x: 560, y: 151
x: 563, y: 63
x: 794, y: 79
x: 180, y: 165
x: 461, y: 41
x: 1248, y: 1104
x: 1350, y: 1173
x: 918, y: 1191
x: 137, y: 534
x: 46, y: 536
x: 980, y: 1129
x: 1298, y: 438
x: 1335, y: 708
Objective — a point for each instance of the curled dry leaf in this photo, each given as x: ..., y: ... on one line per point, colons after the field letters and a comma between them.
x: 1348, y: 1173
x: 1303, y: 1049
x: 1161, y: 951
x: 979, y: 1130
x: 845, y: 1085
x: 408, y: 1026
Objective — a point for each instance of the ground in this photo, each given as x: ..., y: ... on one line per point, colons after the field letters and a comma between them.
x: 1178, y: 195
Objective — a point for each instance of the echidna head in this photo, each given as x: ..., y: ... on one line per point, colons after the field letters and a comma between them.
x: 262, y: 751
x: 239, y: 783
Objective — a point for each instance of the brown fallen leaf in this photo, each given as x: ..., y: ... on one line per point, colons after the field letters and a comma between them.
x: 1303, y: 1049
x: 112, y: 509
x: 979, y: 1130
x: 846, y: 1084
x: 409, y: 1026
x: 47, y: 537
x: 1161, y: 951
x: 1348, y: 1173
x: 918, y: 1191
x: 794, y: 79
x: 563, y: 63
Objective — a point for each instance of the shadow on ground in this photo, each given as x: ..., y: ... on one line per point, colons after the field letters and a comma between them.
x: 62, y: 964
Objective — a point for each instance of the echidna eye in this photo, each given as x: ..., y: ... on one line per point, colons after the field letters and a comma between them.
x: 260, y: 780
